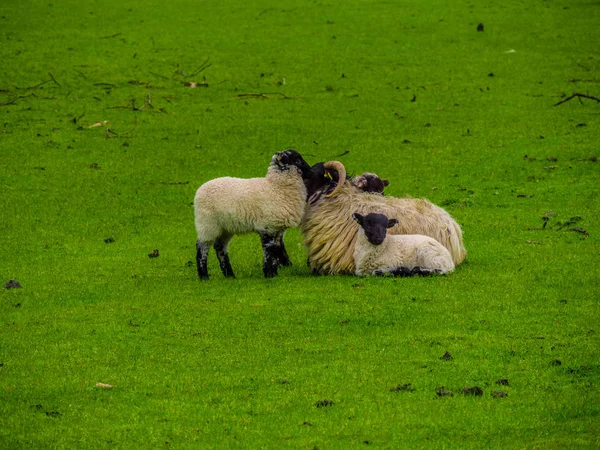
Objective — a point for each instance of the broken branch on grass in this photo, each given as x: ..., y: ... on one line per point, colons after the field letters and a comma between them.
x: 10, y: 102
x: 195, y: 84
x: 579, y: 80
x: 76, y: 119
x: 35, y: 86
x: 577, y: 95
x: 111, y: 36
x: 205, y: 65
x: 265, y: 95
x: 135, y: 108
x: 160, y: 76
x: 109, y: 132
x: 580, y: 230
x: 139, y: 83
x: 80, y: 73
x: 582, y: 66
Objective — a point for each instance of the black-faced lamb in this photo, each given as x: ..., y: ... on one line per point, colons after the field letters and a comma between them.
x: 377, y: 253
x: 330, y: 233
x: 268, y: 206
x: 369, y: 182
x: 319, y: 182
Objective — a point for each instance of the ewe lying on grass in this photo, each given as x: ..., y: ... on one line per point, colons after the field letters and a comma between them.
x: 268, y: 206
x: 330, y: 233
x: 398, y: 255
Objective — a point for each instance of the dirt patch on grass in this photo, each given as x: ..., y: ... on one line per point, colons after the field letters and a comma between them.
x: 12, y: 284
x: 475, y: 391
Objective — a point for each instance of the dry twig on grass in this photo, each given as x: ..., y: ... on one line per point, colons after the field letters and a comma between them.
x: 265, y: 95
x: 577, y: 95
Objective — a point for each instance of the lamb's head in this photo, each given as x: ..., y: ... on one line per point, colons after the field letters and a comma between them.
x: 324, y: 178
x: 374, y: 226
x: 289, y: 159
x: 370, y: 182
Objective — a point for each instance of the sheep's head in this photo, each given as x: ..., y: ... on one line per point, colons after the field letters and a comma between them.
x: 370, y: 182
x: 374, y: 226
x: 324, y: 178
x: 291, y: 159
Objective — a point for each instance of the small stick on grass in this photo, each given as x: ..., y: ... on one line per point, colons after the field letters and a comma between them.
x: 10, y: 102
x: 127, y: 134
x: 80, y: 73
x: 76, y: 119
x: 159, y: 76
x: 110, y: 85
x: 202, y: 67
x: 54, y: 79
x: 35, y: 86
x: 577, y: 95
x: 109, y: 132
x: 264, y: 95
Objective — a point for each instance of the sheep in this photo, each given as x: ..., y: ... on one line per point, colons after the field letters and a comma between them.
x: 268, y: 206
x: 330, y: 233
x: 319, y: 178
x: 398, y: 255
x: 369, y: 182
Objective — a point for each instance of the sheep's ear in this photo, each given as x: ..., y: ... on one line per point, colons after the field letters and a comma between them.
x: 386, y: 182
x: 357, y: 218
x: 392, y: 222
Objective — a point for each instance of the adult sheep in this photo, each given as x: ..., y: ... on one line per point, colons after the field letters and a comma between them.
x: 268, y: 206
x: 330, y: 233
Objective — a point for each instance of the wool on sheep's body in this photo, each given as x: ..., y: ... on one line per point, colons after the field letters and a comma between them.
x: 330, y: 233
x: 237, y: 205
x: 410, y: 251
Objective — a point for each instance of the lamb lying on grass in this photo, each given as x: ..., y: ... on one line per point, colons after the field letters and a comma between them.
x: 268, y: 206
x: 370, y: 182
x: 398, y: 255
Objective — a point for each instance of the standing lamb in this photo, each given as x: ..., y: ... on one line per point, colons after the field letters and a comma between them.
x: 268, y: 206
x: 330, y: 233
x: 398, y: 255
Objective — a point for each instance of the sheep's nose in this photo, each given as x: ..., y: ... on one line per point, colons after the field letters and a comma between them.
x: 376, y: 240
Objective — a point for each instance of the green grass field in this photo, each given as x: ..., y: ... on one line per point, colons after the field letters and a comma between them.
x: 113, y: 113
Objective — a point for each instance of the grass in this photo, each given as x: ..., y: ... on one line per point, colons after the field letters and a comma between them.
x: 409, y: 90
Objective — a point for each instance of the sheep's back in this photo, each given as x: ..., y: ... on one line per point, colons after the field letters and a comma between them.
x: 242, y: 205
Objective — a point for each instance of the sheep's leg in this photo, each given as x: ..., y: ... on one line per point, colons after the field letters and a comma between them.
x: 202, y: 249
x: 402, y: 272
x: 421, y: 272
x: 222, y: 249
x: 415, y: 271
x: 271, y: 250
x: 282, y: 255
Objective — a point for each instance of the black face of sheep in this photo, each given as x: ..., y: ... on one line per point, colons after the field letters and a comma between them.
x: 321, y: 179
x: 375, y: 226
x: 291, y: 158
